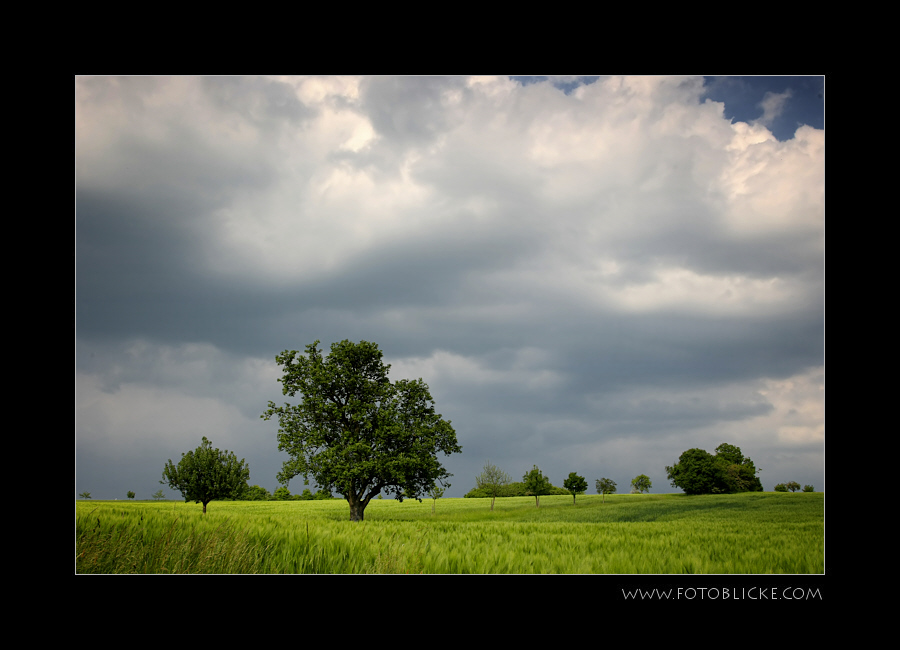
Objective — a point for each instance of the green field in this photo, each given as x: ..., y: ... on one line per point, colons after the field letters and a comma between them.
x: 750, y: 533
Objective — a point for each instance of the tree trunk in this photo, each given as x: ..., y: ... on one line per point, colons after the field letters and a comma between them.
x: 492, y: 503
x: 204, y: 506
x: 357, y: 508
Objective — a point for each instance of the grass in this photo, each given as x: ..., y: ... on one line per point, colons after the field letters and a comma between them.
x: 757, y: 533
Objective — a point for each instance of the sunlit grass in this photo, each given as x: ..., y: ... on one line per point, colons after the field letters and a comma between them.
x: 628, y: 534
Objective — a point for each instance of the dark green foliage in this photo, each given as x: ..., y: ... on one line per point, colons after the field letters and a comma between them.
x: 808, y: 488
x: 641, y: 483
x: 699, y: 472
x: 255, y: 493
x: 514, y: 489
x: 605, y: 486
x: 130, y: 494
x: 793, y: 486
x: 281, y: 494
x: 85, y: 495
x: 536, y: 484
x: 575, y: 485
x: 206, y: 474
x: 781, y: 487
x: 355, y: 432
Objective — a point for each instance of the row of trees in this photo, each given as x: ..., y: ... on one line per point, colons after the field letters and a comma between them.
x: 359, y: 434
x: 493, y: 482
x: 793, y: 486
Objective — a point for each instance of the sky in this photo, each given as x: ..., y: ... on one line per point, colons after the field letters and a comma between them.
x: 592, y: 274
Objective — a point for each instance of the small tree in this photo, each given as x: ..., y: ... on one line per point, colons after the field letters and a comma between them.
x: 605, y: 486
x: 808, y: 488
x: 435, y: 494
x: 781, y: 487
x: 85, y: 495
x: 575, y: 485
x: 492, y: 479
x: 641, y: 483
x: 536, y: 484
x: 158, y: 495
x: 793, y: 486
x: 130, y: 494
x: 281, y: 494
x: 206, y: 474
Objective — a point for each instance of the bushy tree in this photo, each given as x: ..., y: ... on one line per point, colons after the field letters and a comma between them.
x: 808, y: 488
x: 575, y: 484
x: 605, y: 486
x: 158, y: 495
x: 699, y: 472
x: 641, y: 483
x: 206, y: 474
x: 255, y: 493
x: 356, y: 432
x: 130, y: 494
x: 281, y: 494
x: 536, y: 484
x: 492, y: 480
x: 781, y: 487
x: 793, y: 486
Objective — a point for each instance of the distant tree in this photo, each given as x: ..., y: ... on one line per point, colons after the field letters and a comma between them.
x: 641, y: 483
x: 808, y: 488
x: 322, y: 494
x: 85, y: 495
x: 206, y: 474
x: 575, y: 485
x: 605, y: 486
x: 130, y: 494
x: 307, y: 495
x: 159, y: 495
x: 793, y: 486
x: 781, y: 487
x: 435, y: 494
x: 255, y: 493
x: 281, y: 494
x: 492, y: 480
x: 536, y: 484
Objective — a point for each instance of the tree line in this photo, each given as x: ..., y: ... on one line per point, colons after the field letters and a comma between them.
x: 357, y: 433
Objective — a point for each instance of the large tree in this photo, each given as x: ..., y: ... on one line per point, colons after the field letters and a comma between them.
x: 728, y: 471
x: 355, y: 432
x: 492, y: 480
x: 575, y: 485
x: 206, y: 474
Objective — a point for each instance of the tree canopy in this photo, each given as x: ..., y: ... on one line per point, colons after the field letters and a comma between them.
x: 575, y: 484
x: 355, y: 432
x: 206, y: 474
x: 699, y: 472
